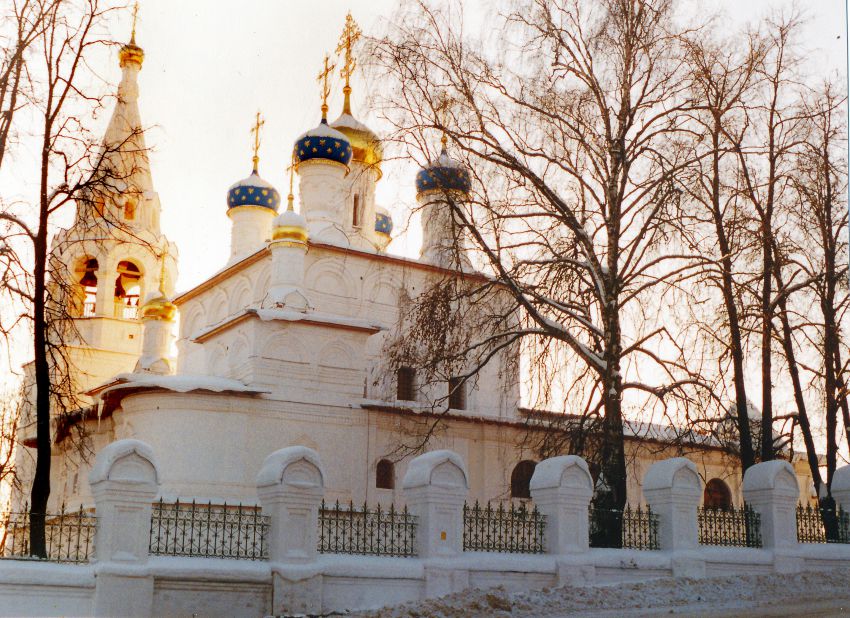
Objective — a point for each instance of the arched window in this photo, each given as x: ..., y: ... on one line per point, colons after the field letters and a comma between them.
x: 521, y: 479
x: 385, y: 474
x: 127, y: 290
x: 87, y: 292
x: 717, y: 495
x: 355, y: 215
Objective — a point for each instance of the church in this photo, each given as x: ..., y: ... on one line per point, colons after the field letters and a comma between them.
x: 285, y: 344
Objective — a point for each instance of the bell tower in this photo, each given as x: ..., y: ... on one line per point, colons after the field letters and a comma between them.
x: 115, y: 255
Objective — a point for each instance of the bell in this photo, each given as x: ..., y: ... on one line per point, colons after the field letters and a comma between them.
x: 89, y: 279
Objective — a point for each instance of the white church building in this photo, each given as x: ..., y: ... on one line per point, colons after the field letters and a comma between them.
x: 284, y: 345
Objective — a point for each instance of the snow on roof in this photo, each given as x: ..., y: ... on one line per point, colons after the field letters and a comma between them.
x: 184, y: 383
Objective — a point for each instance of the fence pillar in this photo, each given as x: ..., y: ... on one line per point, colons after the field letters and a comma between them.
x: 124, y: 482
x: 290, y: 486
x: 435, y: 488
x: 561, y: 488
x: 771, y: 489
x: 672, y: 489
x: 841, y: 487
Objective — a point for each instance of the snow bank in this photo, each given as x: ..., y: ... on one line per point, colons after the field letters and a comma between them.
x: 681, y: 595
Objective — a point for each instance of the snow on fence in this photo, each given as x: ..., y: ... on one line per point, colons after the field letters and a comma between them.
x: 733, y: 527
x: 811, y: 526
x: 208, y: 530
x: 69, y: 536
x: 628, y: 529
x: 514, y: 529
x: 346, y: 529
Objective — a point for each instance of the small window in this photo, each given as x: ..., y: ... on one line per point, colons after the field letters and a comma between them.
x: 385, y: 475
x: 406, y: 387
x: 129, y: 210
x: 717, y: 495
x: 355, y: 215
x: 521, y: 479
x: 457, y: 393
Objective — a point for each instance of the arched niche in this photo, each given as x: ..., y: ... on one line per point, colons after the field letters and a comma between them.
x: 521, y: 479
x: 717, y: 495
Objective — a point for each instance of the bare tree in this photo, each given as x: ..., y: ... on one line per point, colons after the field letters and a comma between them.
x: 572, y: 132
x: 73, y: 167
x: 814, y: 264
x: 723, y: 75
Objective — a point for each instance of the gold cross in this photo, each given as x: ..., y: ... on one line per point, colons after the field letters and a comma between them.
x: 442, y: 108
x: 323, y: 79
x: 135, y: 16
x: 256, y: 131
x: 350, y: 35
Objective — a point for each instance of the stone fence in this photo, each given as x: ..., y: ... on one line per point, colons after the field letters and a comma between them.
x: 292, y: 573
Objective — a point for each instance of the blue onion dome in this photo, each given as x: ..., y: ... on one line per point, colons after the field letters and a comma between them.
x: 322, y: 143
x: 253, y: 191
x: 383, y: 221
x: 444, y: 174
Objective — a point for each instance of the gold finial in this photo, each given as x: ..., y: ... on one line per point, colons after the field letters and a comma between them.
x: 290, y: 199
x: 323, y: 79
x: 135, y: 16
x: 256, y: 131
x: 444, y: 102
x: 350, y: 35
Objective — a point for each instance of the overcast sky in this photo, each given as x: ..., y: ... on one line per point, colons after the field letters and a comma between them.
x: 210, y: 65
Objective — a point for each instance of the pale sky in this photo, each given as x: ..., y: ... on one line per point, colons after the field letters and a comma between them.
x: 210, y: 65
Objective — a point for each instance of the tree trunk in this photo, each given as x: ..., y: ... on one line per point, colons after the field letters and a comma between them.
x: 794, y: 371
x: 745, y: 440
x: 41, y: 481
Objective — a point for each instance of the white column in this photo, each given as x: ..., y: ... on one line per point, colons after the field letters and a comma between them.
x: 290, y: 486
x: 672, y: 488
x: 771, y: 489
x: 561, y: 488
x: 251, y: 228
x: 435, y: 489
x: 124, y: 482
x: 322, y: 194
x: 287, y: 274
x: 156, y: 345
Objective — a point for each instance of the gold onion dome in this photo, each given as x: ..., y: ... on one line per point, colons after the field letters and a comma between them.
x: 291, y: 226
x: 132, y: 52
x: 365, y: 145
x: 158, y: 308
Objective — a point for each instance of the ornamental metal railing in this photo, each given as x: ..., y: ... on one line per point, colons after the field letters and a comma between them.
x: 347, y: 529
x: 515, y: 529
x: 208, y: 530
x: 628, y: 529
x: 733, y: 527
x: 811, y: 526
x: 69, y: 536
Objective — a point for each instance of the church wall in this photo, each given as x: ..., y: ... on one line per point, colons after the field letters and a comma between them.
x: 211, y: 447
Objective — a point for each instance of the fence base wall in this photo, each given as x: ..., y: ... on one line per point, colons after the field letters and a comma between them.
x: 213, y: 587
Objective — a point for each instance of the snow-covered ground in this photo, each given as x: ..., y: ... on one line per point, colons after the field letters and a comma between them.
x: 806, y: 594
